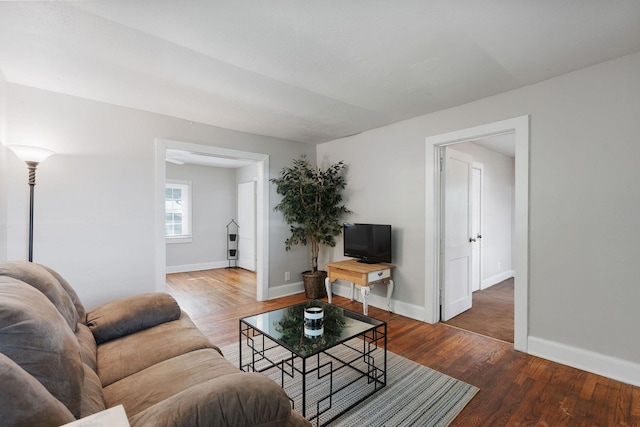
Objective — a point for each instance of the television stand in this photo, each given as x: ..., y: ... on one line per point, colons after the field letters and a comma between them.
x: 362, y: 275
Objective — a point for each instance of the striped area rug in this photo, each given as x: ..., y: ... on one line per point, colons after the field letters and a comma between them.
x: 414, y: 395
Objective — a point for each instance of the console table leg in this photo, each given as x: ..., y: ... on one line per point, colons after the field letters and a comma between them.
x: 351, y: 291
x: 327, y: 285
x: 389, y: 293
x: 365, y: 293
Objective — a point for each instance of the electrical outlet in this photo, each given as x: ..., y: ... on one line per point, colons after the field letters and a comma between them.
x: 287, y: 275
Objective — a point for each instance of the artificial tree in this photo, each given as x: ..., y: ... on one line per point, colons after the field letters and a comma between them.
x: 312, y: 206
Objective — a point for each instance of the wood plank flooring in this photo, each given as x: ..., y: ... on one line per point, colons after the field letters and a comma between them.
x: 515, y: 389
x: 491, y: 313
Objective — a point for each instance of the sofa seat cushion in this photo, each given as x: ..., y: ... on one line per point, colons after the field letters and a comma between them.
x: 160, y: 381
x: 125, y: 356
x: 200, y: 388
x: 36, y: 336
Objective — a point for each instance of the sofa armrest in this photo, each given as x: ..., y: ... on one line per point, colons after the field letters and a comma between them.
x: 126, y: 316
x: 242, y: 399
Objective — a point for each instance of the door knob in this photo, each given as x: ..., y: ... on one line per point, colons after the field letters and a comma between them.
x: 472, y: 239
x: 479, y: 236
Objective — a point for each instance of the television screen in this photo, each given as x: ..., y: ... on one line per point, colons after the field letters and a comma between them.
x: 369, y: 243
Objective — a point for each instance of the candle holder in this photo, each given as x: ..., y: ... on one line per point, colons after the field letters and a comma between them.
x: 313, y: 322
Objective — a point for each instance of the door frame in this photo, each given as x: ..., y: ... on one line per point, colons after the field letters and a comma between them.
x: 262, y: 208
x: 520, y: 127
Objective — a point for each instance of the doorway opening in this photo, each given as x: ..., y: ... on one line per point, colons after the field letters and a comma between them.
x: 519, y: 127
x: 481, y: 222
x: 261, y: 206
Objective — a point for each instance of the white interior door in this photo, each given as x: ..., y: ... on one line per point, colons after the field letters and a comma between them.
x: 247, y: 222
x: 476, y: 226
x: 456, y: 247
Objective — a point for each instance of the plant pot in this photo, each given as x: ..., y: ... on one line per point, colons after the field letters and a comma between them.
x: 314, y: 284
x: 232, y: 237
x: 232, y: 252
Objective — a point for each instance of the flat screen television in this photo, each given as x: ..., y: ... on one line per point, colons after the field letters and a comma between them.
x: 368, y: 243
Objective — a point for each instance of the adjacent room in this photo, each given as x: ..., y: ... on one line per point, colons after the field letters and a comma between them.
x: 176, y: 179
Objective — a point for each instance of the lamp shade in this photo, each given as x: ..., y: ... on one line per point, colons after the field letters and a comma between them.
x: 28, y: 153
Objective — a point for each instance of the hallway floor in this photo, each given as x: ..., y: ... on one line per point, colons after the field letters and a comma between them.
x: 491, y: 314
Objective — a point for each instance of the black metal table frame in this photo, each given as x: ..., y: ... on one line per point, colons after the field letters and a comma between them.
x: 287, y: 366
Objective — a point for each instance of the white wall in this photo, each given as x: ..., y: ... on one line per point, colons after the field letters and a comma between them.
x: 214, y: 195
x: 383, y: 187
x: 497, y: 212
x: 95, y: 204
x: 4, y: 176
x: 583, y: 222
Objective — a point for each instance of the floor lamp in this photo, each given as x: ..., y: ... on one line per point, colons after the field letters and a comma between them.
x: 32, y: 156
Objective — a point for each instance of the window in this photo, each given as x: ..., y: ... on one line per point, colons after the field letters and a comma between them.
x: 177, y: 201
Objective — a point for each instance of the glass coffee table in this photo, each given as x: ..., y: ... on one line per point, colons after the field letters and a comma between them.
x: 326, y: 367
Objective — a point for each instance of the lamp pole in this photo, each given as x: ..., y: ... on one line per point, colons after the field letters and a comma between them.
x: 32, y: 183
x: 32, y: 156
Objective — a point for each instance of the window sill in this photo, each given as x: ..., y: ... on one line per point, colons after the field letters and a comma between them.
x: 181, y: 239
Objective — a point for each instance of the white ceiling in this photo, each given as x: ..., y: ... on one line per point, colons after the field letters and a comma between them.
x: 502, y: 143
x: 308, y: 71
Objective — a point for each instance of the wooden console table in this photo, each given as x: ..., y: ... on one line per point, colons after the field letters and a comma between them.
x: 362, y: 275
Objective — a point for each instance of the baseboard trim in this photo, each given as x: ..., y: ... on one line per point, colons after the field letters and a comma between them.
x: 408, y: 310
x: 600, y: 364
x: 285, y: 290
x: 196, y: 267
x: 494, y: 280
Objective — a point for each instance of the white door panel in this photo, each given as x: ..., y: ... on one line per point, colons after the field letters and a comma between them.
x: 247, y: 222
x: 476, y: 228
x: 457, y: 191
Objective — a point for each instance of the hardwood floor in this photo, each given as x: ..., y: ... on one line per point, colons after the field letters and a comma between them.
x: 491, y: 313
x: 515, y: 389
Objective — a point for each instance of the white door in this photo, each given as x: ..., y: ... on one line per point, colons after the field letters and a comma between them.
x: 476, y: 227
x: 456, y: 191
x: 247, y: 222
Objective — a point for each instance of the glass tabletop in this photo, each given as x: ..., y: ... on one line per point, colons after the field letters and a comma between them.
x: 318, y: 332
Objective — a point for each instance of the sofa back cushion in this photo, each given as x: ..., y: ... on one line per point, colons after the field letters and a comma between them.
x: 92, y: 396
x: 37, y: 276
x: 82, y: 313
x: 25, y: 402
x: 36, y: 337
x: 88, y: 348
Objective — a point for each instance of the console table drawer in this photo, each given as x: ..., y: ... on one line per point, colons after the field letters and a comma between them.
x: 379, y: 275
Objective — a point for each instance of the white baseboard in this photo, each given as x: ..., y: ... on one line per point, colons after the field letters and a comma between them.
x: 398, y: 307
x: 408, y: 310
x: 196, y: 267
x: 402, y: 308
x: 494, y: 280
x: 285, y: 290
x: 600, y: 364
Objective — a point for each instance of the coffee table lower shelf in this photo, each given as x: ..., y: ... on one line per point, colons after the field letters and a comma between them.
x: 325, y: 385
